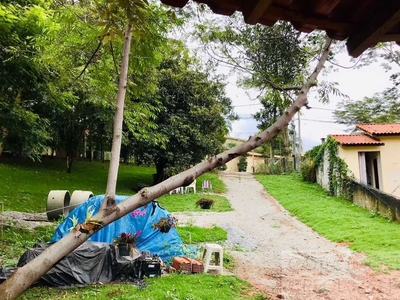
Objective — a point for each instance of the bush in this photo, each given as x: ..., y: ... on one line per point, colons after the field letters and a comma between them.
x: 242, y: 164
x: 276, y: 167
x: 307, y: 170
x: 222, y: 168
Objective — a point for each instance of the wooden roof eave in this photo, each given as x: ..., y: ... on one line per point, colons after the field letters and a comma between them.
x: 368, y: 35
x: 317, y: 14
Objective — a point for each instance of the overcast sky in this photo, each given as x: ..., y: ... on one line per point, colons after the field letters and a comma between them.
x: 316, y: 123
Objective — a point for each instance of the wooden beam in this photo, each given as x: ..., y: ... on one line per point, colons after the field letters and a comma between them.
x: 389, y: 38
x: 370, y: 32
x: 321, y: 21
x: 325, y: 7
x: 176, y: 3
x: 255, y: 10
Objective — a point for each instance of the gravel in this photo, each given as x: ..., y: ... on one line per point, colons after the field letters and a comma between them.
x: 285, y: 258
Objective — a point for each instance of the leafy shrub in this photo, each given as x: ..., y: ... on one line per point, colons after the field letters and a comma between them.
x: 307, y: 170
x: 222, y: 168
x: 242, y: 164
x: 276, y: 167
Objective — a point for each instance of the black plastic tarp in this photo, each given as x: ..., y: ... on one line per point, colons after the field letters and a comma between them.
x: 89, y: 263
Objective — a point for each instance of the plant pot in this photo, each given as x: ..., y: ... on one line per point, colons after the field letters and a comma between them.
x: 165, y: 229
x: 124, y: 249
x: 205, y: 205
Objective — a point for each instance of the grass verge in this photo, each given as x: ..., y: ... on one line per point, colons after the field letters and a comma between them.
x: 337, y: 219
x: 195, y: 234
x: 175, y: 286
x: 14, y: 241
x: 187, y: 202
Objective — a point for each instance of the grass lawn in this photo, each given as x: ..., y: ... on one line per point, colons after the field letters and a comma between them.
x: 217, y: 184
x: 195, y: 234
x: 337, y: 219
x: 25, y: 184
x: 14, y: 241
x: 187, y: 202
x: 175, y: 286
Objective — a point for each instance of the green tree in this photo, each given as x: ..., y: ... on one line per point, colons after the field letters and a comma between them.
x: 122, y: 18
x: 388, y: 55
x: 242, y: 164
x: 272, y: 60
x: 83, y: 58
x: 23, y: 79
x: 191, y: 120
x: 381, y: 108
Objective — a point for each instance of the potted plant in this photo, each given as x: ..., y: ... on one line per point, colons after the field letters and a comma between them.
x: 204, y: 203
x: 125, y: 242
x: 164, y: 224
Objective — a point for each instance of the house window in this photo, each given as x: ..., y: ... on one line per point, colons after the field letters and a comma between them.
x: 370, y: 168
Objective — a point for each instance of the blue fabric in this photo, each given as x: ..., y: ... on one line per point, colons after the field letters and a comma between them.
x: 166, y: 245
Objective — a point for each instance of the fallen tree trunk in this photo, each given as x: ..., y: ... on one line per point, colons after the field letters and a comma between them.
x: 25, y: 276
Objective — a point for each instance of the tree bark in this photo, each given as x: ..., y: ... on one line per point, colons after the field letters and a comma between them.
x: 69, y: 163
x: 25, y: 276
x: 119, y: 117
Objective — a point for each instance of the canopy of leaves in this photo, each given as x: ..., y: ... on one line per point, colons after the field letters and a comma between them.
x: 23, y: 80
x: 388, y: 54
x: 273, y: 61
x: 60, y: 68
x: 270, y: 57
x: 191, y: 119
x: 380, y: 108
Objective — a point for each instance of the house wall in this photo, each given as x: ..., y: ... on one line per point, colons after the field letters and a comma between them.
x: 322, y: 172
x: 350, y: 155
x: 363, y: 195
x: 389, y: 170
x: 253, y: 159
x: 390, y: 160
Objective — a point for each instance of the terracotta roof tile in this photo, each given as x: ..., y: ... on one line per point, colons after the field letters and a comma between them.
x: 356, y: 139
x: 380, y: 129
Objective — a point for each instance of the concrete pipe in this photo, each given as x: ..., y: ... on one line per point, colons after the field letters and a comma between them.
x: 57, y: 203
x: 79, y: 197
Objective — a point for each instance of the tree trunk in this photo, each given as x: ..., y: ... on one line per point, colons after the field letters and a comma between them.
x: 286, y: 150
x: 25, y: 276
x: 119, y: 117
x: 69, y: 162
x: 159, y: 176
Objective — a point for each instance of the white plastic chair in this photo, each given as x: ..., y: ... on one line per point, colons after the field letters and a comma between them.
x: 178, y: 190
x: 191, y: 186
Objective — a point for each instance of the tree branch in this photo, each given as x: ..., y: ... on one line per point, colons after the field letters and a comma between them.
x: 91, y: 58
x: 25, y: 276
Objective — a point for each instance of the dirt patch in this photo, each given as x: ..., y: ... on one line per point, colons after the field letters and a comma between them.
x: 24, y: 220
x: 283, y: 257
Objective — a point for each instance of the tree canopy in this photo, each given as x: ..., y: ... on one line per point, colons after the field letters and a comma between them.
x: 191, y: 119
x: 272, y: 61
x: 380, y: 108
x: 60, y: 69
x: 23, y: 79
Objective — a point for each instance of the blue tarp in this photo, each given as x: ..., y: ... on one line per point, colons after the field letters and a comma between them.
x: 166, y: 245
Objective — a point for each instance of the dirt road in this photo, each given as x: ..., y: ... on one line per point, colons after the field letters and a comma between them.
x: 285, y: 258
